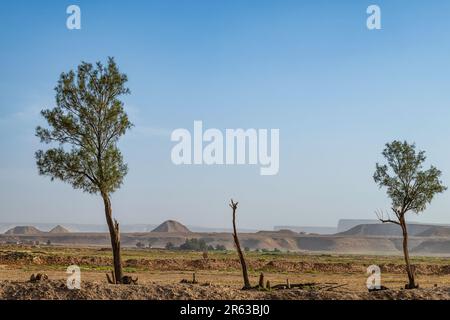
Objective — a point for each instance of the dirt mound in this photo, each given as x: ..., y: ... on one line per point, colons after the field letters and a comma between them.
x: 57, y: 290
x: 416, y: 294
x: 171, y: 226
x: 59, y: 229
x: 24, y: 230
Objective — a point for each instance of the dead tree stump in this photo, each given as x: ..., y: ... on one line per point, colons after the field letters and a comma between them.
x: 247, y: 285
x: 38, y: 277
x: 261, y: 281
x: 124, y: 280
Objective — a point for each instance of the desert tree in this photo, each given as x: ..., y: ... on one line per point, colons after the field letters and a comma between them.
x: 233, y: 205
x: 409, y: 186
x: 85, y: 126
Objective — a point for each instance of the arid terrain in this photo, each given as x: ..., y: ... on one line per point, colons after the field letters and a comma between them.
x: 315, y: 266
x: 381, y: 239
x: 161, y: 273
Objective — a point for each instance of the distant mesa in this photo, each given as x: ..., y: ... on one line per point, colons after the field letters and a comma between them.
x: 385, y: 230
x: 285, y: 232
x: 288, y: 232
x: 171, y: 226
x: 59, y: 229
x: 24, y: 230
x: 393, y: 230
x: 435, y: 231
x: 307, y: 230
x: 347, y: 224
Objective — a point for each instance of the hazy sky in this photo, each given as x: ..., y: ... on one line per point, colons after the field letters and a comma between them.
x: 336, y: 91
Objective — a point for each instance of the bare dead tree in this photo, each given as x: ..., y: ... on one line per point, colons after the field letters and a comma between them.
x: 233, y: 205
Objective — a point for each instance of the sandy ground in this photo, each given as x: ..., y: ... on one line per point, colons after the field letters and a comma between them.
x: 233, y: 279
x: 51, y: 289
x: 160, y: 274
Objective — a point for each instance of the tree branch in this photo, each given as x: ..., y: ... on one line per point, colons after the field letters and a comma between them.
x: 380, y: 217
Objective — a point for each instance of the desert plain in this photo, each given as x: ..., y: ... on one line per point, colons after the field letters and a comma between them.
x: 168, y: 274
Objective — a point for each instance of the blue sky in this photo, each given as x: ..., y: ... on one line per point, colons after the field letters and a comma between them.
x: 336, y: 91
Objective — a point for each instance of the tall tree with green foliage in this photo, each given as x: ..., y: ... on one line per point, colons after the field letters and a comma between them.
x: 87, y: 122
x: 409, y: 186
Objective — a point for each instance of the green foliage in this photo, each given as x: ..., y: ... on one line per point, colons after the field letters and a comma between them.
x: 408, y: 185
x: 140, y: 245
x: 170, y: 246
x: 194, y: 245
x: 87, y: 122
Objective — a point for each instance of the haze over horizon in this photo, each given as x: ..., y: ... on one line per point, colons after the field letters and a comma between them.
x: 337, y: 94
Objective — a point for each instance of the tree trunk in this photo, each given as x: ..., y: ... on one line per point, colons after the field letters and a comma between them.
x: 409, y: 268
x: 238, y: 247
x: 115, y: 239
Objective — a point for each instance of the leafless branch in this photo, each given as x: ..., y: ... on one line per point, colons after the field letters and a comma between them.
x: 380, y: 216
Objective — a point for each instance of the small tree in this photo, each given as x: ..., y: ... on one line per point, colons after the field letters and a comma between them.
x: 140, y: 245
x: 194, y: 244
x: 221, y: 247
x: 170, y: 246
x: 409, y: 186
x: 233, y: 206
x: 87, y: 122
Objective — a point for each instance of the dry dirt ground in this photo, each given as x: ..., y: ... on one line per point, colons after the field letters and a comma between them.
x: 160, y: 273
x: 56, y: 289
